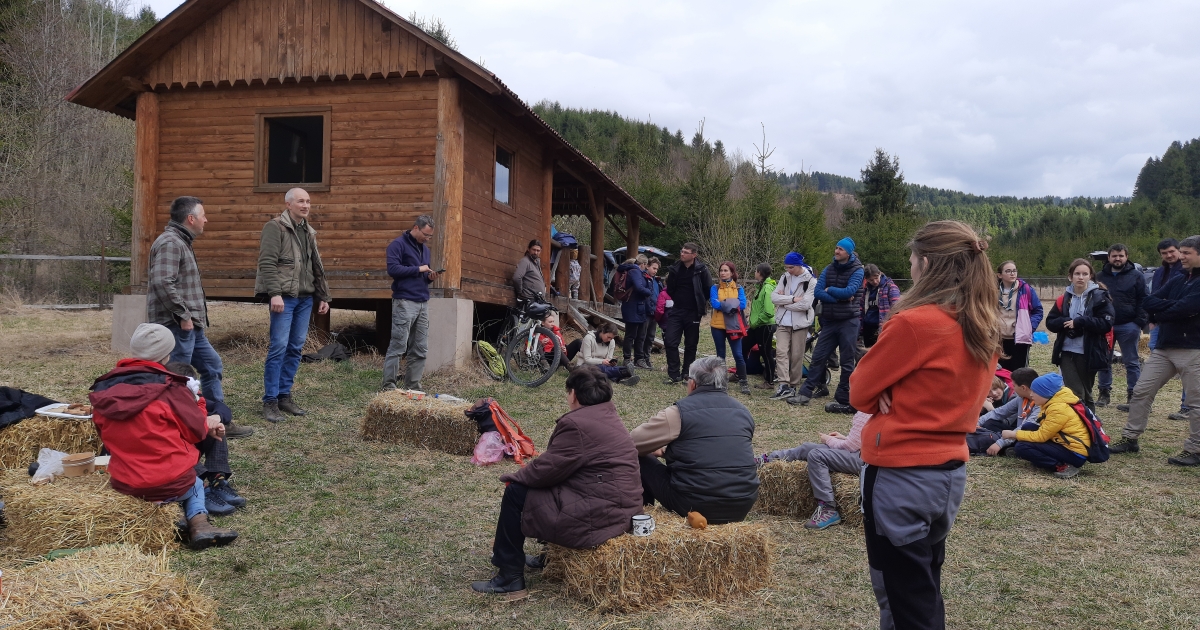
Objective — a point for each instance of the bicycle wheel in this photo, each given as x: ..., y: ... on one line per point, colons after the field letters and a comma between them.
x: 490, y: 359
x: 524, y: 359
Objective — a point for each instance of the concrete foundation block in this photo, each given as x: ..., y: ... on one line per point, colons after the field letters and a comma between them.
x: 450, y: 329
x: 128, y: 312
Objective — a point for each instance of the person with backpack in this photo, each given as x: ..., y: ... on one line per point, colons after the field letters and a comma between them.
x: 688, y: 285
x: 1020, y: 315
x: 793, y: 301
x: 1127, y: 288
x: 630, y: 289
x: 1081, y: 318
x: 650, y: 272
x: 839, y: 290
x: 762, y: 324
x: 728, y: 301
x: 1059, y: 441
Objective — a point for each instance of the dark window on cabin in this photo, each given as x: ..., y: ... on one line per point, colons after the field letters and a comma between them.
x: 295, y: 147
x: 504, y: 165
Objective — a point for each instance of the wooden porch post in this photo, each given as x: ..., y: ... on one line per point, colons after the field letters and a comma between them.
x: 145, y: 187
x: 634, y: 234
x: 448, y: 187
x: 548, y: 218
x: 585, y: 275
x: 597, y: 201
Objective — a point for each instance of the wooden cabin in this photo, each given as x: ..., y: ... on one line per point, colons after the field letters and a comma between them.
x: 236, y: 101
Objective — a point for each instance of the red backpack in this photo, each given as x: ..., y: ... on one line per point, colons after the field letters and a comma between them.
x: 620, y: 288
x: 490, y: 417
x: 1098, y: 452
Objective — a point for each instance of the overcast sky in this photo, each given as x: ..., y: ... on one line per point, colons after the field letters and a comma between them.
x: 1020, y: 98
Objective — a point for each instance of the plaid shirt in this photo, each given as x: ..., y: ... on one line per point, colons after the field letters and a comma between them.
x: 175, y: 292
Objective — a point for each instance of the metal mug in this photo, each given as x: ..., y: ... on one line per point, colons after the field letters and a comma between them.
x: 643, y: 525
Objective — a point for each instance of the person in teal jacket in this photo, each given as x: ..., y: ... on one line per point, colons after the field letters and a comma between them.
x: 762, y: 324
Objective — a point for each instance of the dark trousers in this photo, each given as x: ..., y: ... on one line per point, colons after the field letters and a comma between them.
x: 508, y: 550
x: 214, y: 459
x: 681, y: 325
x: 1048, y: 455
x: 1127, y: 336
x: 648, y: 337
x: 631, y: 347
x: 835, y: 335
x: 1078, y: 377
x: 656, y: 486
x: 870, y: 334
x: 764, y: 338
x: 1017, y: 353
x: 573, y: 349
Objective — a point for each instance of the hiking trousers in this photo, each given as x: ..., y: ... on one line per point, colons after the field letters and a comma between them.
x: 410, y: 337
x: 1160, y: 368
x: 821, y: 461
x: 841, y: 335
x: 681, y: 325
x: 789, y: 355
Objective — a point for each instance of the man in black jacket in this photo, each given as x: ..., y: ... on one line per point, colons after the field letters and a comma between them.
x: 1127, y: 289
x: 688, y: 285
x: 1176, y: 309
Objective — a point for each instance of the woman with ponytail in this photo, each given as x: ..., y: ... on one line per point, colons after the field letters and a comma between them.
x: 924, y: 382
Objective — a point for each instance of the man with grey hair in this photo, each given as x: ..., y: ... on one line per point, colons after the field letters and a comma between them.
x: 408, y: 259
x: 706, y: 441
x: 291, y: 274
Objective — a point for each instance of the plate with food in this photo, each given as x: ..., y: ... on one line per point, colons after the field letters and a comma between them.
x: 72, y: 411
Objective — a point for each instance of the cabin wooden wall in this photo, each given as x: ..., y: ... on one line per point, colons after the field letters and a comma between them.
x: 383, y: 144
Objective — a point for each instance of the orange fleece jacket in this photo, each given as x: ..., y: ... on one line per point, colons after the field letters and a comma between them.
x: 937, y: 390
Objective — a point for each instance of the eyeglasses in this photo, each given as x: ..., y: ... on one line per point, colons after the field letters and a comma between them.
x: 1012, y: 271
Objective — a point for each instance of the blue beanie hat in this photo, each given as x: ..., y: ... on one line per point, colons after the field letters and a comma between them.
x: 793, y: 258
x: 1047, y: 385
x: 847, y: 244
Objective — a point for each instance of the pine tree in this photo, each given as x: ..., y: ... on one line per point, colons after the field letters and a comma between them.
x: 883, y: 193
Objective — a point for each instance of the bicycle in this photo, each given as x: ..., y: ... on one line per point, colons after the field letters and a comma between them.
x: 519, y: 347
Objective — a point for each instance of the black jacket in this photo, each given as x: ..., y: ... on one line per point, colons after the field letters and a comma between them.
x: 701, y: 283
x: 1176, y: 309
x: 1093, y: 326
x: 1127, y: 289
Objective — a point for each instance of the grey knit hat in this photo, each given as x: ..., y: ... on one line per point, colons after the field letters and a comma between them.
x: 152, y: 342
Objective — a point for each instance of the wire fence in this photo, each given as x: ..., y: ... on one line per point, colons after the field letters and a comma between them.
x: 47, y: 279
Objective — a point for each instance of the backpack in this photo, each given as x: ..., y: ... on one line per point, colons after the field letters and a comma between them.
x: 1098, y: 452
x: 620, y: 288
x: 490, y: 417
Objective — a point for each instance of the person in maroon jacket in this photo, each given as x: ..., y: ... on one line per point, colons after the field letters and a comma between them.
x: 583, y: 490
x: 150, y: 423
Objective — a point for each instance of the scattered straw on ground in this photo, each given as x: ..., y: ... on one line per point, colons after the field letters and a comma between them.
x: 431, y: 423
x: 784, y: 490
x: 20, y: 442
x: 676, y: 562
x: 115, y: 586
x: 75, y: 512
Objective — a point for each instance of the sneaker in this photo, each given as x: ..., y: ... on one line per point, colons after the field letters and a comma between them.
x: 216, y: 504
x: 837, y: 407
x: 1124, y: 445
x: 1066, y: 471
x: 222, y: 487
x: 799, y: 399
x: 824, y: 516
x: 1179, y: 415
x: 783, y: 391
x: 643, y: 364
x: 1185, y: 459
x: 235, y: 430
x: 820, y: 392
x: 1011, y: 452
x: 745, y: 386
x: 672, y: 380
x: 763, y: 459
x: 631, y: 381
x: 1104, y: 398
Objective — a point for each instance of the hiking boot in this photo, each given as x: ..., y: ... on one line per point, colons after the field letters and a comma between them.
x: 1185, y: 459
x: 799, y: 399
x: 222, y: 488
x: 1179, y: 415
x: 286, y: 404
x: 216, y: 504
x: 628, y: 377
x: 672, y: 380
x: 745, y: 386
x: 235, y: 430
x: 1125, y: 407
x: 202, y: 534
x: 765, y: 385
x: 1066, y: 471
x: 1124, y: 445
x: 824, y: 516
x: 1104, y: 398
x: 507, y: 580
x: 783, y: 391
x: 837, y: 407
x: 537, y: 562
x: 820, y: 392
x: 643, y: 364
x: 271, y: 412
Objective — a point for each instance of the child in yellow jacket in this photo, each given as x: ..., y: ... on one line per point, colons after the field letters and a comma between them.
x: 1060, y: 442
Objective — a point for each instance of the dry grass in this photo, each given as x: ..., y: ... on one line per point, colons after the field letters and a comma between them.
x: 430, y: 423
x: 674, y: 563
x: 784, y: 490
x: 115, y: 586
x: 76, y: 512
x: 21, y: 442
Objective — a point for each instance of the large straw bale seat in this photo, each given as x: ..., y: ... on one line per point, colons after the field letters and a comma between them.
x: 784, y: 490
x: 430, y: 423
x: 20, y: 442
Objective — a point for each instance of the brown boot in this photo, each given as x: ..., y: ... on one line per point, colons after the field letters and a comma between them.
x: 235, y: 430
x: 286, y: 404
x: 202, y: 534
x: 271, y: 412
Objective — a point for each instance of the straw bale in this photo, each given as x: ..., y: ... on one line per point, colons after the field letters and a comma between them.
x: 115, y: 586
x: 676, y: 562
x: 20, y: 442
x: 1144, y: 345
x: 431, y: 423
x: 784, y: 490
x: 75, y: 512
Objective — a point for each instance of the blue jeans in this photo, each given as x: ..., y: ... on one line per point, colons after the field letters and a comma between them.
x: 1127, y: 337
x: 289, y: 330
x: 192, y: 347
x: 192, y: 501
x: 735, y: 345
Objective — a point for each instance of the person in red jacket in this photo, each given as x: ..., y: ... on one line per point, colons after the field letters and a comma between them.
x: 924, y: 382
x: 150, y: 423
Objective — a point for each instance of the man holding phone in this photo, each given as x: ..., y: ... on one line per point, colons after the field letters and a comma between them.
x: 408, y: 265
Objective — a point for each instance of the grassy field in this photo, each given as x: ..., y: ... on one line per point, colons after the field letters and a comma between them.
x: 341, y: 533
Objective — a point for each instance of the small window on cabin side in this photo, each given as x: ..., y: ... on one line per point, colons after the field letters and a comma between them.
x: 295, y: 149
x: 504, y: 165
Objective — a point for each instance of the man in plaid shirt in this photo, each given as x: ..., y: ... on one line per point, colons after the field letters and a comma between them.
x: 175, y: 298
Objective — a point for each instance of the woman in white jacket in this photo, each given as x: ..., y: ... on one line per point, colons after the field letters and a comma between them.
x: 597, y: 350
x: 793, y: 300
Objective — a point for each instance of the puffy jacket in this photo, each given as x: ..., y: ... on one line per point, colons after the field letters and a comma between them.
x: 712, y: 460
x: 1127, y: 289
x: 1060, y: 423
x: 1176, y: 309
x: 150, y: 422
x: 288, y: 261
x: 762, y: 311
x: 636, y: 309
x: 838, y: 288
x: 721, y: 291
x: 1093, y: 326
x: 586, y: 487
x: 788, y: 312
x: 405, y: 257
x: 655, y: 289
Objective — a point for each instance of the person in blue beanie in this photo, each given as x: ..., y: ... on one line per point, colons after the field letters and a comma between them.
x: 793, y: 300
x: 1059, y: 441
x: 838, y: 290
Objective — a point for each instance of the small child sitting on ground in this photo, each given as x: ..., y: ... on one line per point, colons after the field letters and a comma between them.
x: 551, y: 322
x: 997, y: 395
x: 837, y: 452
x: 1012, y: 414
x: 1060, y: 441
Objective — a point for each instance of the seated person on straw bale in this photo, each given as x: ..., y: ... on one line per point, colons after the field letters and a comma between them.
x: 836, y: 452
x: 1009, y: 416
x: 150, y: 422
x: 1060, y: 441
x: 597, y: 349
x: 219, y: 497
x: 705, y: 439
x: 998, y: 394
x: 581, y: 491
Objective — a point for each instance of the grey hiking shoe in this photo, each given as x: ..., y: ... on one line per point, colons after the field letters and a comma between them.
x: 271, y: 412
x: 799, y: 399
x: 824, y: 516
x: 1178, y: 415
x: 1066, y: 471
x: 1185, y: 459
x: 1124, y: 445
x: 287, y: 405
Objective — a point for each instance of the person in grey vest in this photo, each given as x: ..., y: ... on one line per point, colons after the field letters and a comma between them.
x: 838, y: 290
x: 705, y: 438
